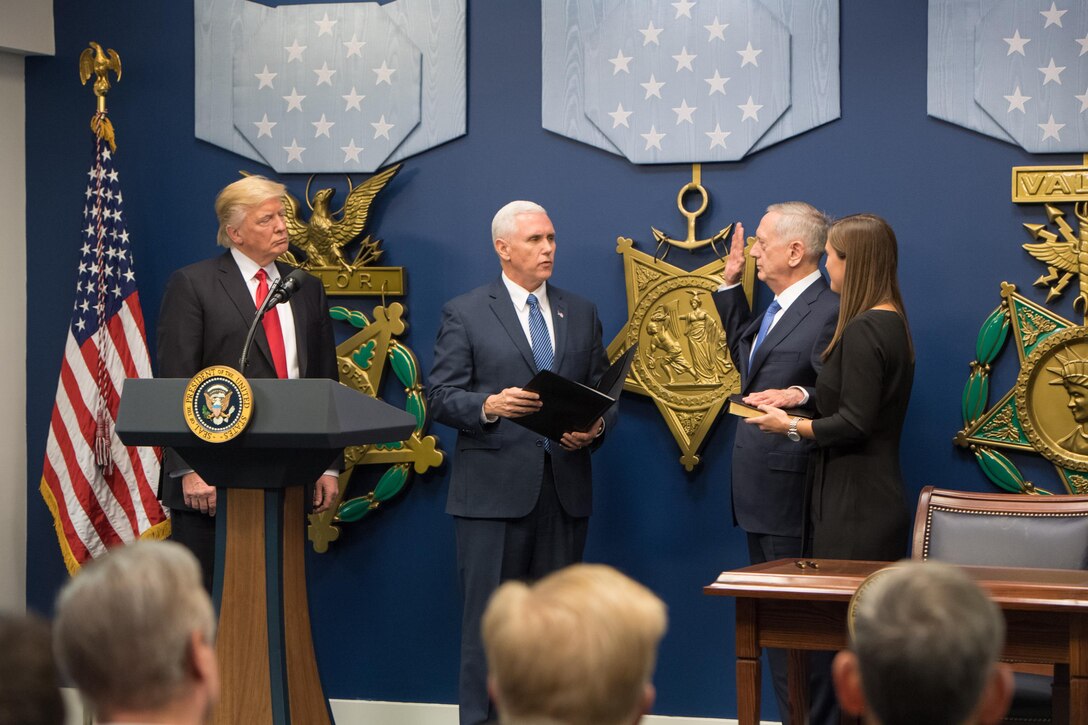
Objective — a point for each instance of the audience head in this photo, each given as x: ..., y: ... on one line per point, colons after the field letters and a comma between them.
x: 576, y: 648
x: 29, y: 685
x: 924, y: 645
x: 135, y: 631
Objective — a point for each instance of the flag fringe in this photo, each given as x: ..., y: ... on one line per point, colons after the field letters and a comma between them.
x: 70, y: 561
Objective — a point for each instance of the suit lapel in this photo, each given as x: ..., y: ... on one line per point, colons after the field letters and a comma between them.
x: 503, y: 308
x: 559, y: 324
x: 302, y: 315
x: 790, y: 319
x: 237, y: 291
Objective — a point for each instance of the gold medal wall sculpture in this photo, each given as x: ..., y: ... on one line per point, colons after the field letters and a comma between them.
x: 682, y: 361
x: 1046, y: 411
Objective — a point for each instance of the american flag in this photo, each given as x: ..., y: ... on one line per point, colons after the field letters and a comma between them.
x: 100, y: 492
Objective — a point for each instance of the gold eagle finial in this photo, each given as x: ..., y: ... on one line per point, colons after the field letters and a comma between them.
x: 94, y: 61
x: 324, y: 237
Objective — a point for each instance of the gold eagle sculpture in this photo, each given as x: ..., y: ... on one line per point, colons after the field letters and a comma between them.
x: 1069, y: 256
x: 94, y: 61
x: 324, y: 237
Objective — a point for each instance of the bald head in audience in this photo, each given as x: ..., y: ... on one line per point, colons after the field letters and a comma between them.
x: 576, y: 648
x: 924, y: 649
x: 135, y: 632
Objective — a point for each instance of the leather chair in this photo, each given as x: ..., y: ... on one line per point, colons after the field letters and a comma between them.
x: 1005, y: 529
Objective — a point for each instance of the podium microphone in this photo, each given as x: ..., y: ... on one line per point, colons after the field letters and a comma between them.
x: 282, y: 289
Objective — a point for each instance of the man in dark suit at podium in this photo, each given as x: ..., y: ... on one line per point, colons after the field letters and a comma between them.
x: 206, y: 311
x: 521, y: 503
x: 778, y: 352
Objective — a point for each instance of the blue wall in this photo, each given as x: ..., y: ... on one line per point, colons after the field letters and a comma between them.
x: 385, y: 596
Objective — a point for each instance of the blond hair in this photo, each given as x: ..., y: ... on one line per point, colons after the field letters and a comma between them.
x: 868, y: 246
x: 237, y: 198
x: 577, y: 648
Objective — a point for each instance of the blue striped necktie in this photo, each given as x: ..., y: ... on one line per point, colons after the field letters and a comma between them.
x: 538, y: 336
x: 542, y: 344
x: 764, y: 327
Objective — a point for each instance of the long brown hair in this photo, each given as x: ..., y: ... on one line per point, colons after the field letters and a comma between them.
x: 868, y: 245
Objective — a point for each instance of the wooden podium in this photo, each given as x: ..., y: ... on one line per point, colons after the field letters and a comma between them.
x: 298, y: 427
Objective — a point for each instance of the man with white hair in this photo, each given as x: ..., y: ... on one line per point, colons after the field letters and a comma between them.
x: 135, y: 632
x: 520, y: 502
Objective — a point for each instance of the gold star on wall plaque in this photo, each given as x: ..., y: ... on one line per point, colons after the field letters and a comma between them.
x: 682, y: 361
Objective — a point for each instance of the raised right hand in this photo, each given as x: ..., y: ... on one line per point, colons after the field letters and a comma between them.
x: 734, y: 263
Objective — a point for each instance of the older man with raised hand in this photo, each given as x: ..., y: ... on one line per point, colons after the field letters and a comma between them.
x: 206, y: 311
x: 779, y: 352
x: 521, y: 503
x: 135, y: 632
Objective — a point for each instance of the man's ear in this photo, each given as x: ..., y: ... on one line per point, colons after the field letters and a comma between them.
x: 203, y: 667
x: 996, y: 696
x: 795, y: 250
x: 649, y: 693
x: 847, y: 679
x: 502, y: 249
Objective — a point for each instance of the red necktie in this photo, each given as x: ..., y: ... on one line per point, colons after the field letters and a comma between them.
x: 272, y: 330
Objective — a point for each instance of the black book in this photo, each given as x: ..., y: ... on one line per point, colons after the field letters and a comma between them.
x: 571, y: 406
x: 737, y: 406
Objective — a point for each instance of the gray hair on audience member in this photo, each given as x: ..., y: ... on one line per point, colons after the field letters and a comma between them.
x: 124, y: 624
x: 927, y: 640
x: 798, y: 220
x: 505, y: 222
x: 237, y: 198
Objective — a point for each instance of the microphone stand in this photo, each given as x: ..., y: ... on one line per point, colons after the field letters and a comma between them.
x: 269, y: 302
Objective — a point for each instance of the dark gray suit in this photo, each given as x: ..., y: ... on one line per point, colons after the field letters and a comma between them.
x: 206, y: 311
x: 770, y: 470
x: 504, y: 490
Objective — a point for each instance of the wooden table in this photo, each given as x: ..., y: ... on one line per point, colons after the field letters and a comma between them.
x: 782, y: 605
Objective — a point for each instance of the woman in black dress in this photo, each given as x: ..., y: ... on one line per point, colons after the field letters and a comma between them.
x: 857, y: 508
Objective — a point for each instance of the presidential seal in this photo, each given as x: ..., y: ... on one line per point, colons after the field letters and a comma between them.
x: 218, y: 403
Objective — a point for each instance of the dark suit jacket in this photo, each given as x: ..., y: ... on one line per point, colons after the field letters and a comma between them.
x: 482, y: 349
x: 206, y: 311
x: 769, y: 470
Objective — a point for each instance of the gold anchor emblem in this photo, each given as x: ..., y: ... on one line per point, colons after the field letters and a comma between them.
x: 682, y: 362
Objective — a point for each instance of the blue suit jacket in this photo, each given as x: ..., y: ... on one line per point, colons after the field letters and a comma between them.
x: 482, y: 349
x: 769, y: 470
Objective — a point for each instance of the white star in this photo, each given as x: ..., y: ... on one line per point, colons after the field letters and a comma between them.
x: 294, y: 151
x: 1083, y: 45
x: 294, y: 51
x: 684, y: 59
x: 751, y: 110
x: 1017, y: 101
x: 748, y: 55
x: 653, y: 139
x: 116, y: 291
x: 385, y: 74
x: 652, y: 86
x: 1050, y: 129
x: 89, y: 192
x: 683, y: 113
x: 1053, y: 16
x: 324, y: 74
x: 353, y: 99
x: 619, y: 116
x: 113, y: 176
x: 129, y: 275
x: 650, y: 33
x: 619, y: 63
x: 264, y: 127
x: 86, y: 248
x: 683, y: 8
x: 1083, y: 101
x: 324, y: 26
x: 124, y: 236
x: 1016, y: 43
x: 717, y: 30
x: 354, y: 47
x: 294, y: 100
x: 265, y: 77
x: 1052, y: 73
x: 81, y: 325
x: 85, y: 305
x: 321, y: 128
x: 351, y: 151
x: 381, y: 128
